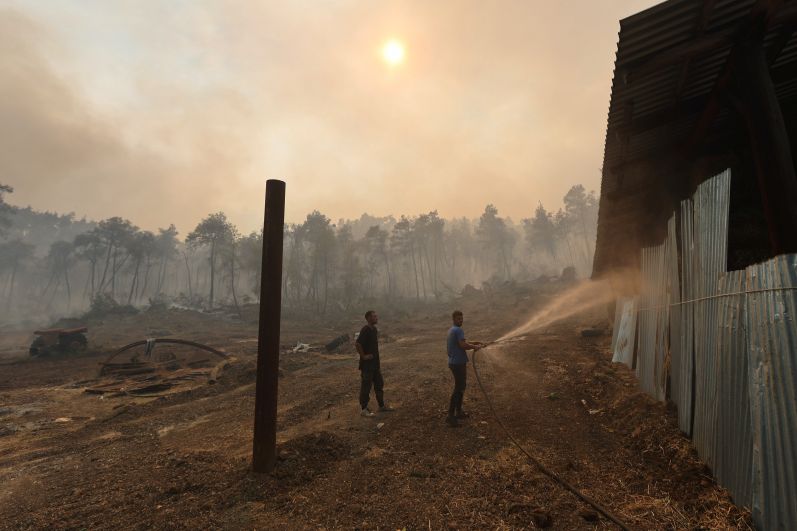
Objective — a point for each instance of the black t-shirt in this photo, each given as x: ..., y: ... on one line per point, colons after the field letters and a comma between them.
x: 370, y: 343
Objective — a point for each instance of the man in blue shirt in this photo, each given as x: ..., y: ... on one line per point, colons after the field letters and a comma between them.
x: 458, y: 363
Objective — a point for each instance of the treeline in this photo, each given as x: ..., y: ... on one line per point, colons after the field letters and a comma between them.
x: 53, y: 265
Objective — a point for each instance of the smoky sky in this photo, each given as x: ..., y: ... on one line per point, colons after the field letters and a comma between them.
x: 162, y: 112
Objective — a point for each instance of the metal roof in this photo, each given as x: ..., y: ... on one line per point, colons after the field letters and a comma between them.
x: 670, y: 68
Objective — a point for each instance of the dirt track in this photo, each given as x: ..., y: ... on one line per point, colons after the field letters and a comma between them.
x: 73, y: 460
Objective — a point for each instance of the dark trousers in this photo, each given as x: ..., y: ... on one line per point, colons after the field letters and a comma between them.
x: 460, y: 373
x: 371, y: 376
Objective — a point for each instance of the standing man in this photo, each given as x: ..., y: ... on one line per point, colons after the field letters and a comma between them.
x: 458, y: 363
x: 370, y: 373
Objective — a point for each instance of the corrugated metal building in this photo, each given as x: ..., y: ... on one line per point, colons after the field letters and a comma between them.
x: 699, y: 197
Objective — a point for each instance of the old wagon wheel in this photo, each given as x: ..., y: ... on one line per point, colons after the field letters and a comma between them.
x: 129, y: 360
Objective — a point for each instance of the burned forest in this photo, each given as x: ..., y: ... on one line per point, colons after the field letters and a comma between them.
x: 112, y: 266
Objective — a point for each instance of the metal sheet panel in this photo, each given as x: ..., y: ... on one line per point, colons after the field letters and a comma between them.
x: 625, y: 331
x: 647, y: 300
x: 618, y: 314
x: 662, y: 367
x: 734, y: 454
x: 711, y: 228
x: 654, y: 303
x: 674, y: 358
x: 684, y: 353
x: 772, y: 350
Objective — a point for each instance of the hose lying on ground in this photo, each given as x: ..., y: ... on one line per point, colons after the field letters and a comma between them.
x: 551, y: 474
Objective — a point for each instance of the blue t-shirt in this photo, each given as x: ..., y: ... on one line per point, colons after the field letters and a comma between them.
x: 456, y: 354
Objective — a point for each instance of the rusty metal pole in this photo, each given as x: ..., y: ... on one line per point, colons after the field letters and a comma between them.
x: 264, y: 449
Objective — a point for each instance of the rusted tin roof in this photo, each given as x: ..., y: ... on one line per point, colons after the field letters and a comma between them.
x: 670, y: 70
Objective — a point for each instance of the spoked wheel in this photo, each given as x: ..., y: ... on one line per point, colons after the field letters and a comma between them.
x: 142, y: 357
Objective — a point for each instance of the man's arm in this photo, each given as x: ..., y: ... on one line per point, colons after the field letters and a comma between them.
x: 465, y: 345
x: 363, y: 355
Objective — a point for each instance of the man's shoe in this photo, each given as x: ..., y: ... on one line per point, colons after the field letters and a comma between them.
x: 452, y: 422
x: 462, y: 415
x: 386, y: 408
x: 366, y: 413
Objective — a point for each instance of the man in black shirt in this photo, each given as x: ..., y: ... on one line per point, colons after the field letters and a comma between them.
x: 370, y: 373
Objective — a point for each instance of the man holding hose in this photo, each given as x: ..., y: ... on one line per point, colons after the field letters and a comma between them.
x: 456, y: 345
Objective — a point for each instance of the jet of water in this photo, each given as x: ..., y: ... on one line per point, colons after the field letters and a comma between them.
x: 583, y: 296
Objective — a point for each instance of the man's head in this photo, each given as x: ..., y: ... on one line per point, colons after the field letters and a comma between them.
x: 371, y: 317
x: 457, y: 317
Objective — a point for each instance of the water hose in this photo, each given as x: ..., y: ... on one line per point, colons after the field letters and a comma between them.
x: 550, y: 473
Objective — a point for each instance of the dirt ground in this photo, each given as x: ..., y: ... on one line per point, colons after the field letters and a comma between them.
x: 180, y: 459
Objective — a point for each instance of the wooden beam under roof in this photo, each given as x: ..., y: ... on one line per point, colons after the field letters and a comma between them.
x: 776, y: 12
x: 763, y: 14
x: 637, y: 70
x: 756, y: 101
x: 700, y: 29
x: 780, y: 42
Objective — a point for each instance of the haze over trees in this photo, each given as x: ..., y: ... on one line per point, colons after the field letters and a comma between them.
x: 53, y: 264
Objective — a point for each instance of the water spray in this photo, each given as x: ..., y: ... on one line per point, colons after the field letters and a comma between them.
x: 584, y: 296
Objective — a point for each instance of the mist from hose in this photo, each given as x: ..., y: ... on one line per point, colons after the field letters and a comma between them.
x: 581, y: 297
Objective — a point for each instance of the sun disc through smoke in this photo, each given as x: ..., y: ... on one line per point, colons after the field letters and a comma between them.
x: 393, y: 52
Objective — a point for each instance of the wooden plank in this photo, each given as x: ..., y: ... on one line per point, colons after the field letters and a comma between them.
x: 700, y: 29
x: 757, y: 103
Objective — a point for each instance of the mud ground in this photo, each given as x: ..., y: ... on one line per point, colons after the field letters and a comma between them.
x: 181, y: 460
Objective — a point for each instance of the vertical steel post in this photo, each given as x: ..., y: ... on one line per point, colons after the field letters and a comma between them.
x: 268, y: 340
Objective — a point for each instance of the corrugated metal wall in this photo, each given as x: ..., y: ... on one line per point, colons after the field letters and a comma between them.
x: 772, y: 351
x: 727, y: 341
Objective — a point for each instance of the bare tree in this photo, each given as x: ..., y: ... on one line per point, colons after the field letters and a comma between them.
x: 13, y: 255
x: 88, y: 247
x: 140, y: 247
x: 188, y: 272
x: 541, y: 232
x: 210, y: 232
x: 166, y: 250
x: 402, y: 240
x: 5, y: 209
x: 496, y: 239
x: 461, y: 249
x: 114, y: 233
x: 563, y: 228
x: 321, y: 239
x: 351, y: 272
x: 296, y: 263
x: 59, y: 260
x: 376, y: 242
x: 251, y: 253
x: 582, y: 208
x: 229, y: 252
